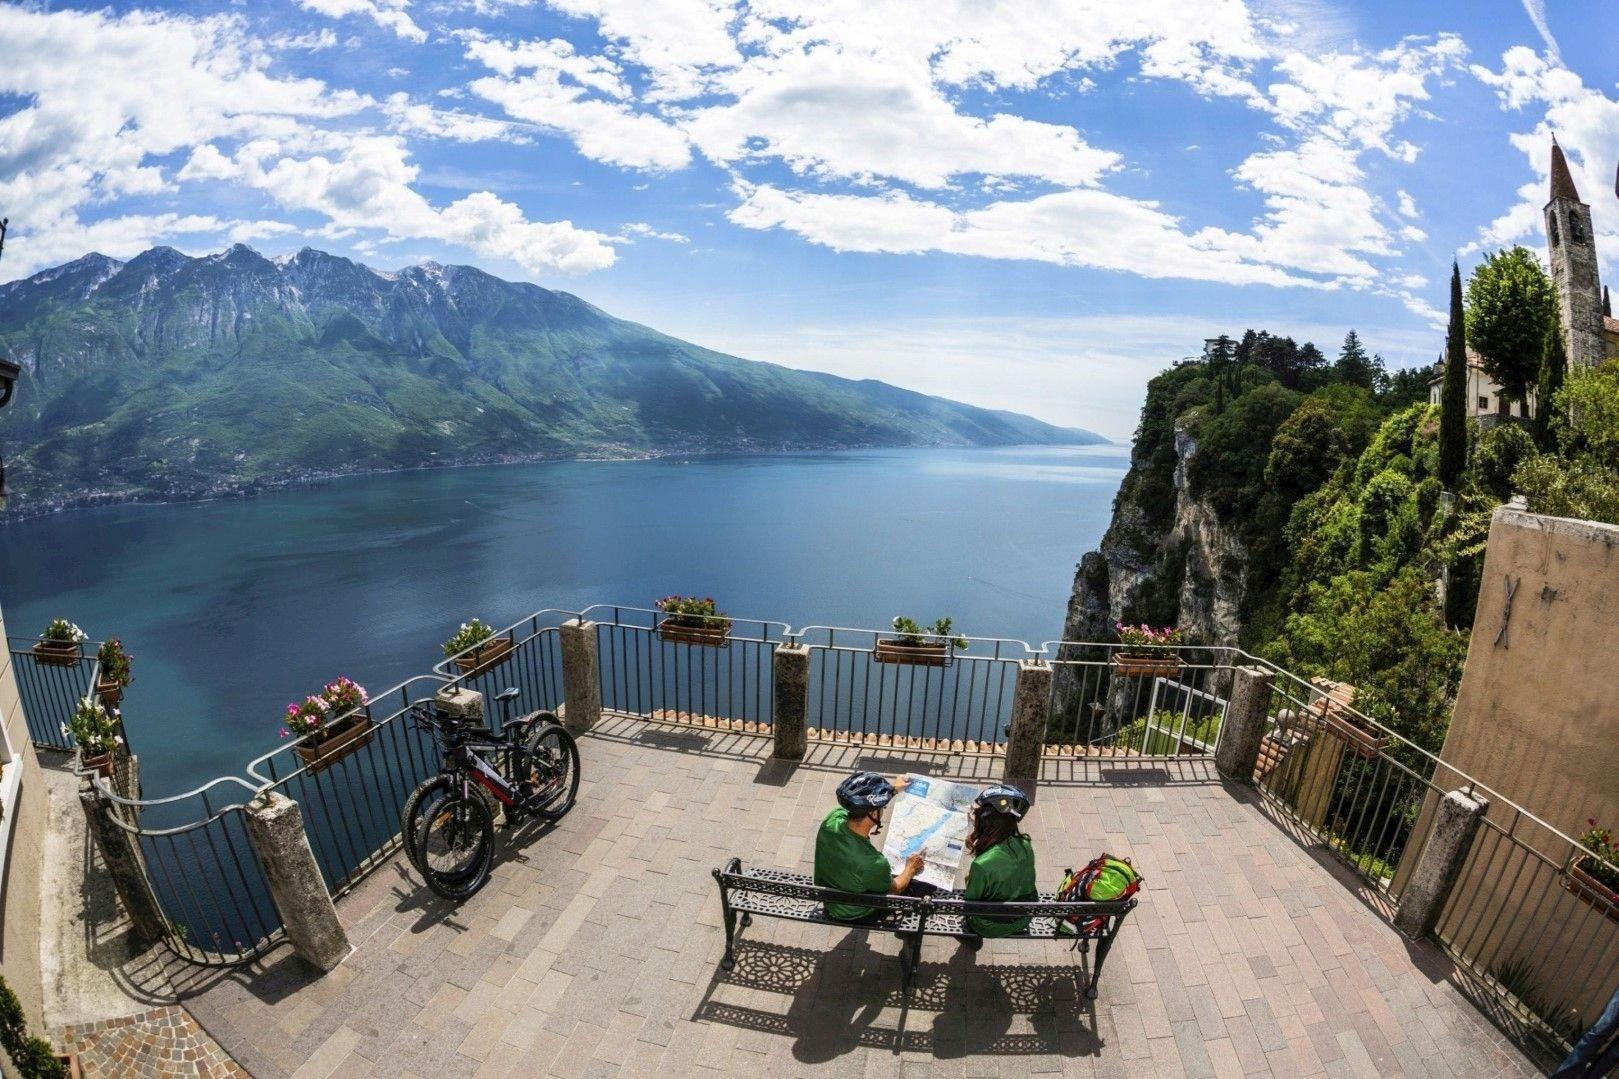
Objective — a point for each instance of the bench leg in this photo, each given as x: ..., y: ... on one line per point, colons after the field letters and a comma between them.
x: 910, y: 957
x: 1103, y: 946
x: 728, y: 961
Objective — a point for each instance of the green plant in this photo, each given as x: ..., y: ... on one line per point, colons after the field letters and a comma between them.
x: 1517, y: 977
x: 61, y: 631
x: 115, y: 665
x: 343, y: 696
x: 305, y: 717
x: 1499, y: 452
x: 700, y: 612
x: 1453, y: 393
x: 1580, y: 488
x: 1599, y: 841
x: 33, y: 1057
x: 911, y: 633
x: 470, y: 635
x: 94, y: 728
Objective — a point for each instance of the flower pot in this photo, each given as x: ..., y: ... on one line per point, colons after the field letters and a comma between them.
x: 1359, y: 739
x: 322, y: 750
x: 1583, y: 884
x: 717, y: 635
x: 101, y: 763
x: 70, y: 1064
x: 58, y: 653
x: 1159, y: 665
x: 934, y: 654
x: 486, y: 656
x: 110, y: 691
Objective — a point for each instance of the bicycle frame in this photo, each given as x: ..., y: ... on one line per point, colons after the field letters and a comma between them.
x: 483, y: 773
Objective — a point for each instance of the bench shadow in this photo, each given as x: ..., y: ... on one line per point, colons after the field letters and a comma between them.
x: 837, y: 998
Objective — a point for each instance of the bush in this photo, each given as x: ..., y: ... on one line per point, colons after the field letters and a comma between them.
x: 32, y: 1057
x: 1499, y: 452
x: 1559, y: 488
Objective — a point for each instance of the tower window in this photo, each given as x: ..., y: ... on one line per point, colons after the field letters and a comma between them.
x: 1551, y: 228
x: 1576, y: 230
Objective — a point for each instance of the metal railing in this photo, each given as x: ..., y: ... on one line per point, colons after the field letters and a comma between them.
x: 650, y: 668
x: 50, y: 692
x: 959, y: 699
x: 1148, y: 700
x: 1336, y: 774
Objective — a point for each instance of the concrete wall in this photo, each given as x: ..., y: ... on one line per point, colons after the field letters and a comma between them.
x: 1537, y: 720
x: 19, y: 886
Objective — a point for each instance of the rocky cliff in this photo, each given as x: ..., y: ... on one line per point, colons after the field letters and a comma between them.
x: 1181, y: 568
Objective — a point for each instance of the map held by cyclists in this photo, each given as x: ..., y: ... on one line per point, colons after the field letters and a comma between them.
x: 929, y: 818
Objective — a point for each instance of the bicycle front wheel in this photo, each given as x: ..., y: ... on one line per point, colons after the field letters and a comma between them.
x: 456, y: 845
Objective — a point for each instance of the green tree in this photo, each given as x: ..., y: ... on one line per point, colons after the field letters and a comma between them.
x: 1354, y: 366
x: 1453, y: 395
x: 1553, y: 371
x: 1590, y: 401
x: 1405, y: 387
x: 1510, y: 304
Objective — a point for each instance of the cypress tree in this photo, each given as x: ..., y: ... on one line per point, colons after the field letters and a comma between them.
x: 1607, y: 308
x: 1453, y: 395
x: 1553, y: 369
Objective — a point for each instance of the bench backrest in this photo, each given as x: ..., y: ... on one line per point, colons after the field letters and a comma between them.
x: 732, y: 878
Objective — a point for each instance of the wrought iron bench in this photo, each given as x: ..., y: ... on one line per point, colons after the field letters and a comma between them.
x: 776, y: 893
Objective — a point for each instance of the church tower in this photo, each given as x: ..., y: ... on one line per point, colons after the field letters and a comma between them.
x: 1572, y: 244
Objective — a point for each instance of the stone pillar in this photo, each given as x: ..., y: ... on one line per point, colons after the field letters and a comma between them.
x: 1244, y: 725
x: 462, y: 703
x: 791, y: 703
x: 121, y: 854
x: 1031, y: 707
x: 581, y: 675
x: 1437, y: 867
x: 276, y: 827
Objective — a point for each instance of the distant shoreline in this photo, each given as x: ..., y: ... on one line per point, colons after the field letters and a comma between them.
x: 250, y: 489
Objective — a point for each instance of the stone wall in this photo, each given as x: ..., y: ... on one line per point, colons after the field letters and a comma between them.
x: 1537, y: 720
x: 19, y: 887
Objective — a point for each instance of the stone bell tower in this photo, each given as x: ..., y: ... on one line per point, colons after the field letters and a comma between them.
x: 1571, y: 242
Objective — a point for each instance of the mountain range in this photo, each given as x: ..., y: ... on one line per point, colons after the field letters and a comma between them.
x: 170, y: 376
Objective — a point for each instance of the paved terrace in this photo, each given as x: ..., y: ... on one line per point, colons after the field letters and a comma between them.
x: 595, y: 948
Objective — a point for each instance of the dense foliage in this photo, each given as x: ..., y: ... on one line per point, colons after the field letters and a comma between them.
x: 32, y: 1056
x: 1510, y: 305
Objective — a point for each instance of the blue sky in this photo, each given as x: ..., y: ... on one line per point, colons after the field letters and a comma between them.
x: 1025, y: 204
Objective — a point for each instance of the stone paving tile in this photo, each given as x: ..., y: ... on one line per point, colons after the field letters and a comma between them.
x: 594, y: 950
x: 157, y: 1042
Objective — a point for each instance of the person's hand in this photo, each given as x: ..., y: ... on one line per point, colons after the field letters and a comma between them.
x: 900, y: 783
x: 914, y: 864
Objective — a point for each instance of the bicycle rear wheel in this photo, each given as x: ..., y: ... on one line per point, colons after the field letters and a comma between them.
x: 456, y: 845
x: 553, y: 762
x: 418, y: 807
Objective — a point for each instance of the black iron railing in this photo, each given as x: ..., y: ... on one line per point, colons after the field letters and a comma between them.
x: 51, y: 690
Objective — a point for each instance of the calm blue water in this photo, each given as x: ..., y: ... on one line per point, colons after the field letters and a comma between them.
x: 233, y: 608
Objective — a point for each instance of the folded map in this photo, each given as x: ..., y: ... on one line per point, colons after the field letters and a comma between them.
x: 929, y: 817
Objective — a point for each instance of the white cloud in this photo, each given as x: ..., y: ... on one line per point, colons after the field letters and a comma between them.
x: 1408, y: 205
x: 389, y: 14
x: 645, y: 231
x: 1536, y: 10
x: 1586, y: 123
x: 550, y: 85
x: 414, y: 118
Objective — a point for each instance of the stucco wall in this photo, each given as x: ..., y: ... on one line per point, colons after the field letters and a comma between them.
x: 1537, y: 720
x: 19, y: 888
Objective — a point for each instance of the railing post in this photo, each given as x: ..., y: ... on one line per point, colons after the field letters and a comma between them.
x: 1244, y: 726
x: 791, y: 704
x: 275, y: 825
x: 1031, y: 707
x: 121, y: 854
x: 581, y: 675
x: 1437, y: 867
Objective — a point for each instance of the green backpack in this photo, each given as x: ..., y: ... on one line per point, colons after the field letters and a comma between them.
x: 1106, y: 879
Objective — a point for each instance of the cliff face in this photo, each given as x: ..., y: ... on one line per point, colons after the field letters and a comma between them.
x: 1183, y: 569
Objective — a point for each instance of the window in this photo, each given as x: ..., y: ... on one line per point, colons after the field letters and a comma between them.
x: 1483, y: 403
x: 1576, y: 229
x: 1551, y: 229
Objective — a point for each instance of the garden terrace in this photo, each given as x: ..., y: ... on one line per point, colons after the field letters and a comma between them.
x: 1263, y: 940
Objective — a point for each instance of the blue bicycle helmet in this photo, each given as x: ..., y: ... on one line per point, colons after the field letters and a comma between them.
x: 1004, y: 798
x: 865, y: 791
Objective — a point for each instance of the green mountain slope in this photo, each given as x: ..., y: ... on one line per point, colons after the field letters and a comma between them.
x: 170, y: 376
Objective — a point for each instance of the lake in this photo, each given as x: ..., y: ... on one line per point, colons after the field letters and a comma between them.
x: 233, y: 608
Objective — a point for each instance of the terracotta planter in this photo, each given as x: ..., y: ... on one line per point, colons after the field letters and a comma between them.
x: 1580, y: 881
x: 327, y: 748
x: 1161, y: 665
x: 101, y: 763
x: 110, y: 691
x: 58, y: 653
x: 916, y: 655
x: 717, y: 635
x: 487, y: 656
x: 70, y: 1061
x: 1359, y: 739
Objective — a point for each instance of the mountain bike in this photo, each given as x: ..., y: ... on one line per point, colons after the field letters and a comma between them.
x: 530, y: 770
